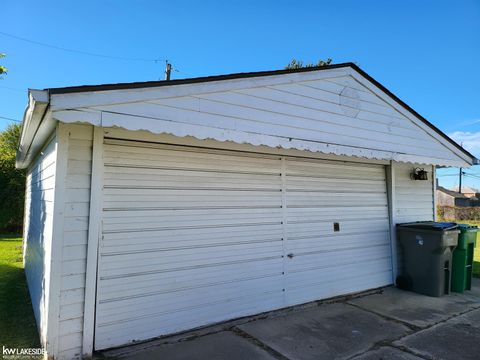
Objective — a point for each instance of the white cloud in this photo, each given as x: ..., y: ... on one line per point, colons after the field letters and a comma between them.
x: 469, y: 140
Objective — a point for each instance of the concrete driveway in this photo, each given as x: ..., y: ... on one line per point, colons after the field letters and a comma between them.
x: 385, y: 324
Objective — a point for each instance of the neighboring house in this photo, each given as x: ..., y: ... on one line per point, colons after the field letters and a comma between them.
x: 447, y: 197
x: 153, y: 208
x: 469, y: 192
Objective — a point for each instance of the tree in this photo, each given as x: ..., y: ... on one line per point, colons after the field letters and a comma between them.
x: 298, y: 64
x: 12, y: 181
x: 3, y: 69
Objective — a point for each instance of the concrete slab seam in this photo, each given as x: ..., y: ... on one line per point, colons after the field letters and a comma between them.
x: 257, y: 342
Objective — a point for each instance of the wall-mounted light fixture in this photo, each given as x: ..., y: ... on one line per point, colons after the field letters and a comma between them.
x: 419, y: 174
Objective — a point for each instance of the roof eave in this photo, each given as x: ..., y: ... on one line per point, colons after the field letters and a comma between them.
x: 31, y: 138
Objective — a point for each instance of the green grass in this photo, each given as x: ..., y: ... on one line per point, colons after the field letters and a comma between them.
x: 17, y: 323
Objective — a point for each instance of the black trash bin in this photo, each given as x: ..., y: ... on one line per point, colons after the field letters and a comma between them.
x: 427, y: 256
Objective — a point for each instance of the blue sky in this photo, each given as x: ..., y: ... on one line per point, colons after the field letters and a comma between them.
x: 425, y: 51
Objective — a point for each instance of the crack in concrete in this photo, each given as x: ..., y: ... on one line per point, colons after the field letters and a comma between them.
x: 239, y: 332
x: 414, y: 330
x: 412, y: 351
x: 388, y: 318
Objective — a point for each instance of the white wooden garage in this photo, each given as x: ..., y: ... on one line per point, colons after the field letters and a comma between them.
x: 154, y: 208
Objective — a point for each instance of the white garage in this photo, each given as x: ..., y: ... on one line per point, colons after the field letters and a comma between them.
x: 155, y: 208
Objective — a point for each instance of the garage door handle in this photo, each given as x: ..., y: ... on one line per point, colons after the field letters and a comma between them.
x: 290, y: 255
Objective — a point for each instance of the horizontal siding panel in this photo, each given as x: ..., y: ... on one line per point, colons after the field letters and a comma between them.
x: 74, y: 252
x: 75, y: 238
x: 74, y: 267
x: 79, y: 167
x: 78, y: 181
x: 80, y: 132
x: 71, y: 282
x: 77, y: 208
x: 77, y: 223
x: 38, y: 231
x: 72, y: 313
x: 71, y: 326
x: 74, y: 296
x: 69, y: 341
x: 71, y: 354
x: 273, y: 124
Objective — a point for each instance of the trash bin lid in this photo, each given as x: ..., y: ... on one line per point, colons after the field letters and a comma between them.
x: 467, y: 227
x: 431, y: 225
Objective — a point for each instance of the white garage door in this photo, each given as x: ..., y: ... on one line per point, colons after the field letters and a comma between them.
x: 191, y: 237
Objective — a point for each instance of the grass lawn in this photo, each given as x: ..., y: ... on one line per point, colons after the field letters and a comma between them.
x: 476, y: 260
x: 17, y: 323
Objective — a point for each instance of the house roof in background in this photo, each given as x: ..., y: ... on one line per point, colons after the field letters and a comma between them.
x: 455, y: 194
x: 468, y: 190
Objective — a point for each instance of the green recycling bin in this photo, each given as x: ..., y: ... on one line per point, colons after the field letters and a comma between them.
x: 462, y: 259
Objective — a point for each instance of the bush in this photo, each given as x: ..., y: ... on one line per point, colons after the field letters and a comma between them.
x: 12, y: 182
x: 455, y: 213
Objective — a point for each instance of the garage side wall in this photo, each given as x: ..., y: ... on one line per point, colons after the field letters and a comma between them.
x: 75, y: 234
x: 414, y: 199
x: 39, y: 197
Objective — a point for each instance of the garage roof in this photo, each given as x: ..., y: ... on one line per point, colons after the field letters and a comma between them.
x: 41, y: 101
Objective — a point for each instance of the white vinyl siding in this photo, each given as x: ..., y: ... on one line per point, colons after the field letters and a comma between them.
x: 39, y: 197
x: 74, y: 249
x: 413, y: 198
x: 192, y: 237
x: 328, y: 112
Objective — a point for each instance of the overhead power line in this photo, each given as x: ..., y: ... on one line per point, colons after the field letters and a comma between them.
x: 75, y: 51
x: 7, y: 118
x: 472, y: 176
x: 13, y: 89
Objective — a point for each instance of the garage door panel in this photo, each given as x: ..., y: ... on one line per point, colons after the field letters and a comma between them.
x: 337, y: 241
x: 331, y: 213
x: 136, y: 265
x: 188, y: 214
x: 324, y: 259
x: 339, y: 285
x: 168, y: 218
x: 335, y: 185
x: 305, y: 166
x: 341, y: 270
x: 187, y: 179
x: 184, y: 236
x: 179, y: 240
x: 306, y: 229
x: 165, y: 159
x: 178, y: 321
x: 191, y: 237
x: 181, y: 278
x: 177, y: 243
x: 199, y: 224
x: 174, y: 299
x: 319, y: 194
x: 199, y: 202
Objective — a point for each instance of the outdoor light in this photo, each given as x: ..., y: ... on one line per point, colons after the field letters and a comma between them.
x: 419, y: 174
